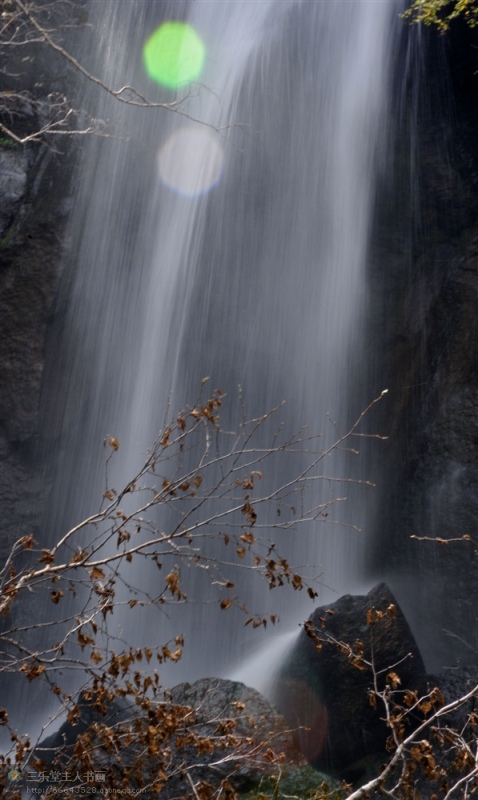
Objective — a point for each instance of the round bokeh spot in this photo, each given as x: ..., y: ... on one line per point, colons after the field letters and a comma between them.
x: 191, y: 161
x: 174, y: 54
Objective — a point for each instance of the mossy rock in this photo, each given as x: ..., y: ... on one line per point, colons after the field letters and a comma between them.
x: 302, y: 782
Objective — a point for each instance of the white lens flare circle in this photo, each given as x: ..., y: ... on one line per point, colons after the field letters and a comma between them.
x: 191, y: 161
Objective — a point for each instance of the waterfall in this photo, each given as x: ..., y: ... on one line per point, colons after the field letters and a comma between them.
x: 253, y: 274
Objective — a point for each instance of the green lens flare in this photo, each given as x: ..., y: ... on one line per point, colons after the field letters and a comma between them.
x: 174, y: 54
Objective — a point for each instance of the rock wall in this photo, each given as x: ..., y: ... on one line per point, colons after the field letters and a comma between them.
x: 33, y: 215
x: 34, y: 205
x: 428, y: 246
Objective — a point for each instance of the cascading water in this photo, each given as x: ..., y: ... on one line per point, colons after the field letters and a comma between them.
x: 247, y: 265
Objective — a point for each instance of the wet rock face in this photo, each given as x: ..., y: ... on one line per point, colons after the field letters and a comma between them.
x: 432, y: 487
x: 323, y: 690
x: 13, y: 169
x: 28, y: 283
x: 424, y: 298
x: 35, y: 181
x: 33, y: 215
x: 442, y: 498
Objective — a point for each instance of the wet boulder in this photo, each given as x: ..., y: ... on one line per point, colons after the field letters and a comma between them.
x: 325, y: 689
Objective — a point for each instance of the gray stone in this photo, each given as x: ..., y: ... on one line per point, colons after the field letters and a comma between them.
x: 256, y: 723
x: 212, y: 710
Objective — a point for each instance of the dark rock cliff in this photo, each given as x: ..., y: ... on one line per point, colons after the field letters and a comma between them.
x: 35, y: 185
x: 31, y: 258
x: 428, y: 323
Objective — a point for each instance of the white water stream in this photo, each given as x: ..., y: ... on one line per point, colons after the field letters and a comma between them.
x: 260, y: 280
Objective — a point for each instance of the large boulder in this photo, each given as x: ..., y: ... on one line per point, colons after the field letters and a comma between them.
x: 205, y: 735
x: 324, y: 687
x: 261, y: 734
